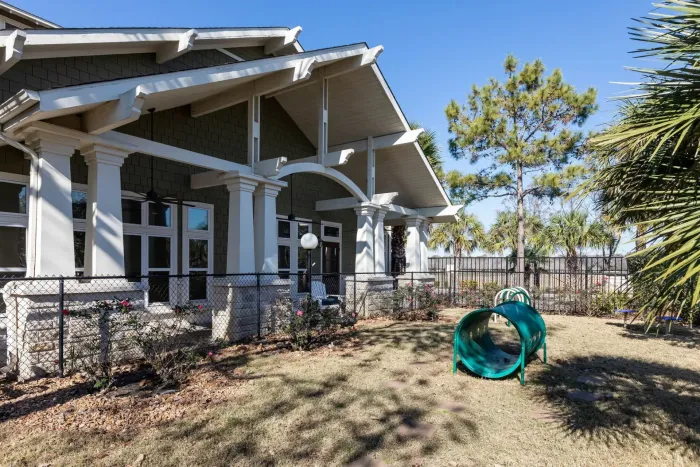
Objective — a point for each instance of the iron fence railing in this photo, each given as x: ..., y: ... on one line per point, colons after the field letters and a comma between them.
x: 557, y: 284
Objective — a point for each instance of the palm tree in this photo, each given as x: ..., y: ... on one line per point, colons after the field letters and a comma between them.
x: 572, y: 232
x: 502, y: 237
x: 458, y: 238
x: 648, y: 171
x: 428, y: 142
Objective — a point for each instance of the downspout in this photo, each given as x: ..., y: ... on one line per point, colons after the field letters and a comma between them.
x: 31, y: 207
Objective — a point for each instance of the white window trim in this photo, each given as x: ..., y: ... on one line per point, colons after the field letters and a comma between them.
x: 188, y: 235
x: 145, y: 231
x: 15, y: 219
x: 293, y: 243
x: 329, y: 239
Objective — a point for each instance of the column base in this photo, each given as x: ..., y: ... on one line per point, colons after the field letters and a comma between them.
x: 370, y: 296
x: 242, y: 310
x: 33, y: 321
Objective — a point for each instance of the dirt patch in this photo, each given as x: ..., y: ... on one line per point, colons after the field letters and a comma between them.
x: 261, y: 404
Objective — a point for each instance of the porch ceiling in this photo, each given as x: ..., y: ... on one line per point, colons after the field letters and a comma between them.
x: 358, y: 107
x: 399, y: 169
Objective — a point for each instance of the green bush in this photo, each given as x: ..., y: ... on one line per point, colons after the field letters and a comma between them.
x: 310, y: 322
x: 416, y: 302
x: 605, y: 303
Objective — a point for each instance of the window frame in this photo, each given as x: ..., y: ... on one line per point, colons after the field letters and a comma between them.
x: 188, y: 235
x: 16, y: 220
x: 330, y: 239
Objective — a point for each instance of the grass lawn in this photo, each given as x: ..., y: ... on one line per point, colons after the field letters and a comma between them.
x: 384, y: 396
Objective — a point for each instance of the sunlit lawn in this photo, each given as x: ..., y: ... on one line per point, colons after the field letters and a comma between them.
x: 388, y: 397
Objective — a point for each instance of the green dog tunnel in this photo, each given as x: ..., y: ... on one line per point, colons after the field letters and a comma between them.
x: 478, y: 352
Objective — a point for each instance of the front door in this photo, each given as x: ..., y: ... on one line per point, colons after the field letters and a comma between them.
x: 331, y: 267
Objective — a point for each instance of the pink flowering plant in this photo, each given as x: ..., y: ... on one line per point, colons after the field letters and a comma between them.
x: 309, y: 323
x: 419, y: 301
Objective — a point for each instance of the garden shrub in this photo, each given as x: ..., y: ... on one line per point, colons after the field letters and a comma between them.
x: 163, y: 342
x: 310, y: 323
x: 416, y: 302
x: 605, y: 303
x: 99, y: 332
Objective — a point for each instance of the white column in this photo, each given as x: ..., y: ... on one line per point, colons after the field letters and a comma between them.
x: 240, y: 250
x: 104, y: 232
x: 413, y: 249
x: 364, y: 246
x: 253, y: 130
x: 265, y: 226
x: 379, y: 242
x: 423, y: 231
x: 323, y: 120
x: 50, y: 239
x: 371, y: 164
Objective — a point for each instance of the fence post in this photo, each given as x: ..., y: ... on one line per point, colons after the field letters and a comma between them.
x: 257, y: 277
x: 354, y: 294
x: 413, y: 292
x: 60, y: 327
x: 454, y: 280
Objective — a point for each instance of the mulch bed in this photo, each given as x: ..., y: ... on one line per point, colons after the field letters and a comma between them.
x: 71, y: 403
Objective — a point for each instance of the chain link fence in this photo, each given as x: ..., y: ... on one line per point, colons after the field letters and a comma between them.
x: 54, y: 326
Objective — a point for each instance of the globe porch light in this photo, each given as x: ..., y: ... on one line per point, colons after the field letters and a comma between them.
x: 309, y: 241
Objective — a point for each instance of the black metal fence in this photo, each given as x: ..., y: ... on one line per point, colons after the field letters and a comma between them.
x: 57, y: 325
x: 588, y: 285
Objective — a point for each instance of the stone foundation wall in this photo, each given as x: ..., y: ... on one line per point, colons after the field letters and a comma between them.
x: 237, y: 315
x: 33, y: 322
x: 370, y: 296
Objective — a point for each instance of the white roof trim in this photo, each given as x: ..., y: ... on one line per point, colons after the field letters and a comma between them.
x: 28, y: 17
x: 51, y: 43
x: 76, y: 99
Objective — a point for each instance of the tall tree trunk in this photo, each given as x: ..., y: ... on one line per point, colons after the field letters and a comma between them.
x: 520, y: 264
x: 398, y: 249
x: 639, y: 242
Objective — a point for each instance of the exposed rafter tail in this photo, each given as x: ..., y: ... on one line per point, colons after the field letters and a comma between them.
x: 173, y: 50
x: 14, y: 47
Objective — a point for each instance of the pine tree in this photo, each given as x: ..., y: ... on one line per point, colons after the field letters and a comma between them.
x: 522, y: 128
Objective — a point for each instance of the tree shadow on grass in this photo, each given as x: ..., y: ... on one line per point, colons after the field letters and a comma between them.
x: 649, y: 400
x: 680, y: 336
x: 329, y: 420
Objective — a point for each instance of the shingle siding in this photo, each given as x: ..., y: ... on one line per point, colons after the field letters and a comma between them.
x: 221, y: 134
x: 50, y: 73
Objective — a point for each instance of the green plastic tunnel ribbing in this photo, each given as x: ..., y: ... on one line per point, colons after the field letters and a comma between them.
x: 478, y: 352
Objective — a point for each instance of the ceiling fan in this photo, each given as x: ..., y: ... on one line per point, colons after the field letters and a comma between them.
x: 151, y: 196
x: 291, y: 217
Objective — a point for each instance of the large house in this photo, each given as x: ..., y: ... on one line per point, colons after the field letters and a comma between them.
x: 163, y: 151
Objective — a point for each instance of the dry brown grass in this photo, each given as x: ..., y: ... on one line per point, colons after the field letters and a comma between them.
x: 388, y: 395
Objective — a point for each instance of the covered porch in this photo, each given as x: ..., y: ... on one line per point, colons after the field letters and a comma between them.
x: 231, y: 207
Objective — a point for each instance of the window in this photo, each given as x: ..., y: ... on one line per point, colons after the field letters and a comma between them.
x: 197, y: 253
x: 150, y: 246
x: 331, y: 231
x: 13, y: 225
x: 79, y: 202
x: 131, y: 211
x: 291, y: 257
x: 331, y: 252
x: 13, y: 198
x: 159, y: 215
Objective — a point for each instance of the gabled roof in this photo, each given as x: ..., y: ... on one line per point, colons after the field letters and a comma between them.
x: 23, y: 19
x: 166, y: 43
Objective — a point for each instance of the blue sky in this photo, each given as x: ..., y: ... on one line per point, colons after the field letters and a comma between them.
x: 434, y: 51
